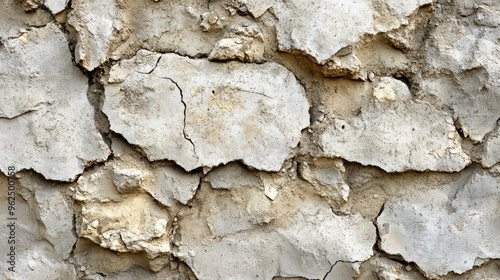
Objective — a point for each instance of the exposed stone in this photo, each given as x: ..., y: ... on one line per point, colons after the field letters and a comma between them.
x: 42, y: 92
x: 208, y: 19
x: 124, y: 175
x: 386, y: 269
x: 97, y: 186
x: 390, y: 89
x: 396, y: 137
x: 456, y: 224
x: 32, y: 5
x: 346, y: 65
x: 244, y: 43
x: 127, y: 180
x: 96, y: 259
x: 117, y: 212
x: 133, y: 225
x: 215, y: 116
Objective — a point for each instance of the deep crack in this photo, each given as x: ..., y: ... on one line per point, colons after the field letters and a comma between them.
x: 183, y: 103
x: 184, y: 120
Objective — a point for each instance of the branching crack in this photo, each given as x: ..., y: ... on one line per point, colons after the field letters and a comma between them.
x: 183, y: 103
x: 185, y: 116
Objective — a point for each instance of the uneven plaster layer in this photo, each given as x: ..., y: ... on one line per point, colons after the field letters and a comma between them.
x: 46, y: 119
x: 251, y: 139
x: 470, y: 53
x: 217, y: 113
x: 333, y: 25
x: 253, y: 237
x: 397, y: 136
x: 459, y: 223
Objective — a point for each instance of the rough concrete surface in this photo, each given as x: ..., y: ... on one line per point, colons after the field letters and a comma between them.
x: 250, y: 139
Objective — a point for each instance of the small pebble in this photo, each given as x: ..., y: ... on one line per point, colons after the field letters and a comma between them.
x: 371, y: 76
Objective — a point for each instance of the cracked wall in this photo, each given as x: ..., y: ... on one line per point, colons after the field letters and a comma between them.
x: 243, y: 139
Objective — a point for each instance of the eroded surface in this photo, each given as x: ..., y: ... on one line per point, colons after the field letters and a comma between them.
x: 243, y: 139
x: 215, y: 115
x: 397, y: 136
x: 459, y: 223
x: 46, y: 119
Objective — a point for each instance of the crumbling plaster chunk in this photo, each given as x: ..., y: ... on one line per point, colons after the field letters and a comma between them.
x: 321, y: 28
x: 56, y: 6
x: 267, y: 252
x: 337, y: 238
x: 327, y: 176
x: 470, y: 53
x: 54, y: 209
x: 447, y: 229
x: 200, y: 113
x: 45, y: 99
x: 488, y: 16
x: 125, y: 176
x: 94, y: 23
x: 397, y: 136
x: 474, y: 98
x: 231, y: 175
x: 172, y: 184
x: 40, y: 252
x: 390, y: 89
x: 244, y: 43
x: 97, y: 186
x: 133, y: 225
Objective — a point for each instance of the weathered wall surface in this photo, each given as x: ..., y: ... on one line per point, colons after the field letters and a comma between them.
x: 250, y: 139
